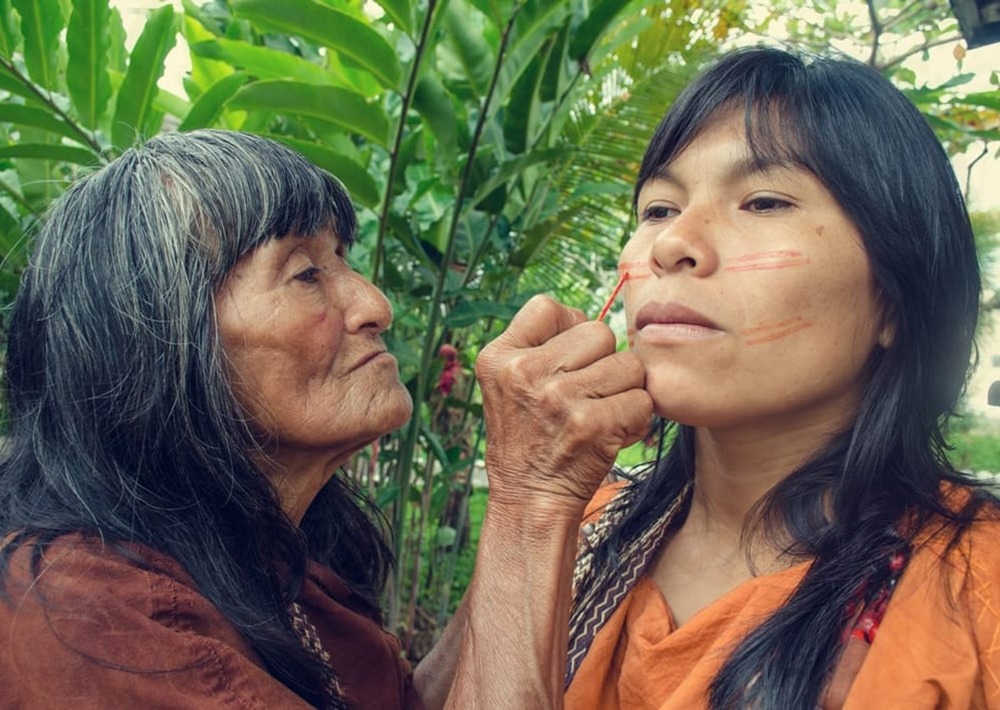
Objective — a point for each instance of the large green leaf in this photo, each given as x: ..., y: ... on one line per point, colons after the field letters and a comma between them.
x: 36, y: 118
x: 41, y: 23
x: 138, y: 91
x: 262, y: 62
x: 401, y: 12
x: 50, y: 152
x: 468, y: 46
x: 330, y: 103
x: 329, y: 27
x: 88, y: 43
x: 537, y: 23
x: 206, y: 110
x: 432, y: 101
x: 601, y: 15
x: 18, y: 88
x: 10, y: 34
x: 356, y: 179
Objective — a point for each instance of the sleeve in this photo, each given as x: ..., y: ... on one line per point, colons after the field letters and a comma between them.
x: 98, y: 633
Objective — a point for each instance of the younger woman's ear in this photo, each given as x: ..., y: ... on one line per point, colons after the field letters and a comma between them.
x: 887, y: 331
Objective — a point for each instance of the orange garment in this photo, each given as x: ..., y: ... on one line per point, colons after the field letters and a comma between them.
x: 938, y: 645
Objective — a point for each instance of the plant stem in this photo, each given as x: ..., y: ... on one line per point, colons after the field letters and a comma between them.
x: 383, y: 222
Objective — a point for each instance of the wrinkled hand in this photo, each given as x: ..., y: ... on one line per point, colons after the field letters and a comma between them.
x: 559, y: 403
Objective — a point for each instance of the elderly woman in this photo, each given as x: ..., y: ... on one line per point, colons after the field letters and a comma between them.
x: 802, y: 289
x: 190, y: 361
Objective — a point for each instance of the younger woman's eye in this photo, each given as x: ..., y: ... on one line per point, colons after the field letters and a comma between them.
x: 766, y: 204
x: 308, y: 276
x: 658, y: 212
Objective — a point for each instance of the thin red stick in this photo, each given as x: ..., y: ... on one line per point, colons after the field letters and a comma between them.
x: 614, y: 294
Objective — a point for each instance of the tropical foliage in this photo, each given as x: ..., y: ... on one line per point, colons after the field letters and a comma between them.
x: 489, y: 145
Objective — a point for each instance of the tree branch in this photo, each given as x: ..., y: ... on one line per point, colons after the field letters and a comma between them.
x: 968, y: 170
x: 917, y: 50
x: 876, y: 32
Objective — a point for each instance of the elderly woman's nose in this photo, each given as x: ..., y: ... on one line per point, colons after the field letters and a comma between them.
x: 366, y: 307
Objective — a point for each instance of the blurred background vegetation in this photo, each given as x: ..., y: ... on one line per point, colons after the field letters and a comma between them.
x: 490, y: 146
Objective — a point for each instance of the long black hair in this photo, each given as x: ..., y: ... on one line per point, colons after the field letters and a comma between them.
x: 868, y: 491
x: 123, y: 424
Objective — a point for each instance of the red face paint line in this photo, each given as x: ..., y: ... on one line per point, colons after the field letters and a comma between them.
x: 614, y: 294
x: 767, y: 260
x: 768, y: 332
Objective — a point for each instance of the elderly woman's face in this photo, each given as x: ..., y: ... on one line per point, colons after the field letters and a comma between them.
x: 302, y: 332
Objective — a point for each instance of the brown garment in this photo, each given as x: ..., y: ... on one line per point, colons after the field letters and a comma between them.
x: 938, y: 645
x: 99, y: 631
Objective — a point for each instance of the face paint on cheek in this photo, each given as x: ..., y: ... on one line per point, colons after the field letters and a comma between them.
x: 768, y: 332
x: 768, y: 260
x: 635, y: 270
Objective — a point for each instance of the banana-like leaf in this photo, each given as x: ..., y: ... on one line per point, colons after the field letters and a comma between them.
x: 469, y: 47
x: 206, y: 110
x: 355, y: 178
x: 10, y: 34
x: 262, y: 62
x: 401, y: 12
x: 51, y: 152
x: 117, y: 54
x: 512, y: 168
x: 18, y: 88
x: 329, y: 27
x: 134, y: 109
x: 37, y: 118
x: 330, y: 103
x: 204, y: 72
x: 432, y: 101
x: 41, y: 23
x: 88, y: 43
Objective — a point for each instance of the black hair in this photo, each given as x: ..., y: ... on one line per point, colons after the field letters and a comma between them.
x: 123, y: 424
x: 868, y: 491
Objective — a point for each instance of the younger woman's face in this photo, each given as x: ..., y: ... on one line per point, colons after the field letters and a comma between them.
x: 749, y: 296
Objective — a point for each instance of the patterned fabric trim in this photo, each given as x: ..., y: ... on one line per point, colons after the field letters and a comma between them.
x: 311, y: 641
x: 595, y: 600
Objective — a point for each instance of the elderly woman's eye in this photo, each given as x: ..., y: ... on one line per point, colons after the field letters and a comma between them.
x: 308, y: 276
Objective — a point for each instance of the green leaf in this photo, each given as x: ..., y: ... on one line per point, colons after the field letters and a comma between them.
x: 41, y: 23
x: 43, y: 151
x: 10, y: 34
x: 138, y: 91
x: 209, y: 106
x: 468, y: 46
x: 467, y: 313
x: 330, y: 103
x: 88, y: 43
x: 983, y: 99
x: 262, y: 62
x: 600, y: 17
x: 117, y: 54
x: 18, y: 88
x: 36, y: 118
x: 432, y: 101
x: 355, y: 178
x: 512, y: 168
x: 329, y: 27
x: 401, y: 12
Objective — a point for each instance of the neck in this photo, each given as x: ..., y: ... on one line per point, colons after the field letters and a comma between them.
x: 298, y: 478
x: 735, y: 469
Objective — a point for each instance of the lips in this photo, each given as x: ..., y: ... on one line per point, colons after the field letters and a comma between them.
x: 368, y: 358
x: 657, y: 313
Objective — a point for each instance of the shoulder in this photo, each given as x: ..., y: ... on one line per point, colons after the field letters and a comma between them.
x: 92, y: 625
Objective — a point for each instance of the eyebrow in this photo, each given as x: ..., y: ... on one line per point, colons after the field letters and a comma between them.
x: 745, y: 167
